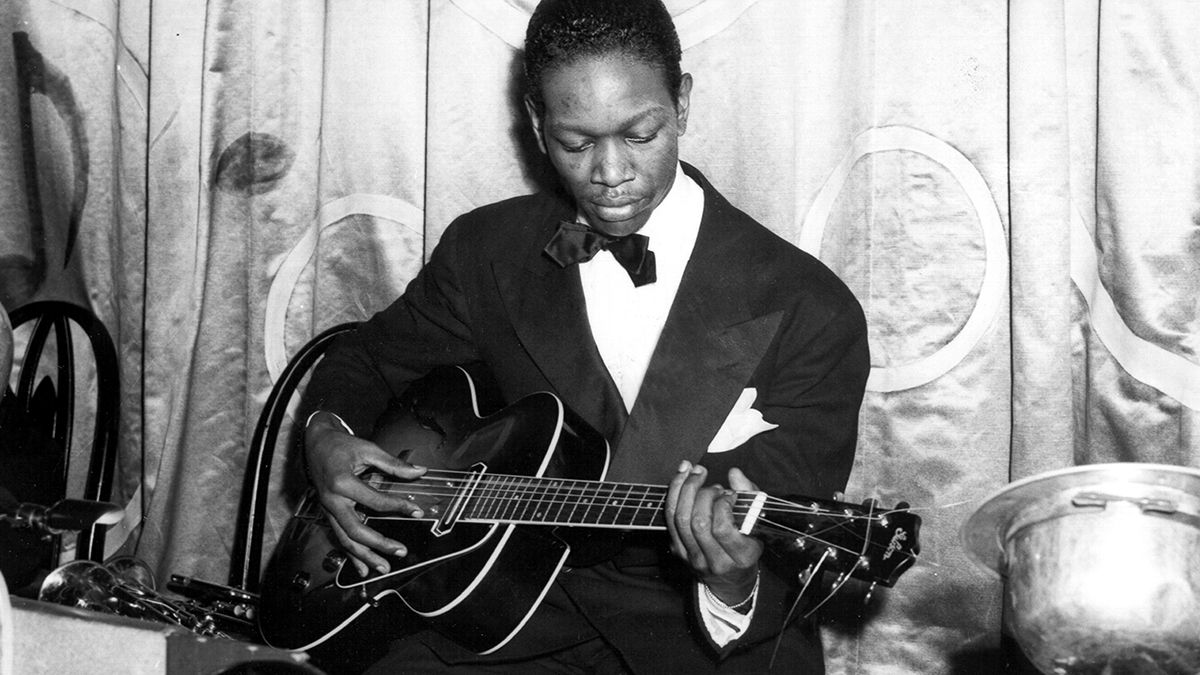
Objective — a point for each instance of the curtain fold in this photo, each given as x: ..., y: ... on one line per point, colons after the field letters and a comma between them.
x: 74, y: 86
x: 1008, y: 187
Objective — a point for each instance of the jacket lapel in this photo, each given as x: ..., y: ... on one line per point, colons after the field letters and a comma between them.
x: 546, y: 306
x: 708, y: 351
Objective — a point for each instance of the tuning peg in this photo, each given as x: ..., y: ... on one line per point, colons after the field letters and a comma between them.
x: 805, y: 574
x: 871, y: 504
x: 870, y: 592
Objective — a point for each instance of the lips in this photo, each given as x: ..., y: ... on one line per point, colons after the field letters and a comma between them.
x: 615, y: 203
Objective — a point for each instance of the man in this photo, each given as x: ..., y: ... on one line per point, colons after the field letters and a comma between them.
x: 723, y: 349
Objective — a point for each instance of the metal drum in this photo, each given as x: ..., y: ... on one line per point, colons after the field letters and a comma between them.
x: 1102, y: 564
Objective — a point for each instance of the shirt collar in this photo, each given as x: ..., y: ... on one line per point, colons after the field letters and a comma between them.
x: 677, y: 218
x: 672, y: 227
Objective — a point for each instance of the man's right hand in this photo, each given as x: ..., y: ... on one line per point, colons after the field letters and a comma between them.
x: 336, y: 460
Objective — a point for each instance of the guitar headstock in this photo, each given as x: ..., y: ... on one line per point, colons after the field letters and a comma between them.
x: 865, y: 541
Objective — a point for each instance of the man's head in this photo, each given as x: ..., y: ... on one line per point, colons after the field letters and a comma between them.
x: 608, y: 103
x: 561, y: 31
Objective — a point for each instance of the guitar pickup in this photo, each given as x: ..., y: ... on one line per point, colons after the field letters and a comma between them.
x: 459, y: 502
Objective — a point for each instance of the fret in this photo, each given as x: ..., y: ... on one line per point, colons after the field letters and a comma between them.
x: 654, y: 501
x: 527, y: 498
x: 538, y: 498
x: 524, y: 496
x: 576, y: 500
x: 486, y: 501
x: 486, y: 505
x: 564, y: 500
x: 597, y: 502
x: 638, y: 507
x: 511, y: 499
x: 635, y: 508
x: 557, y: 502
x: 622, y: 504
x: 612, y: 505
x: 595, y: 505
x: 659, y: 519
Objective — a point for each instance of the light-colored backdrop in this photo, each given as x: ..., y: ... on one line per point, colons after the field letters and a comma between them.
x: 1010, y: 188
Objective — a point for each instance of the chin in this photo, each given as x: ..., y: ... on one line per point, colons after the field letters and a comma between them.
x: 618, y: 227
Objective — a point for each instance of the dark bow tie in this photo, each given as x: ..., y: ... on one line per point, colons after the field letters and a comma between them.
x: 576, y: 243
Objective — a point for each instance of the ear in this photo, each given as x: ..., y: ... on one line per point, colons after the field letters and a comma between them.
x: 684, y: 104
x: 535, y: 122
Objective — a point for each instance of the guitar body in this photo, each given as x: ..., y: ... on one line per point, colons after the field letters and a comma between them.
x: 477, y: 583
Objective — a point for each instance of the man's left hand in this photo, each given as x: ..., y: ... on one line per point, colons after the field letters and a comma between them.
x: 705, y: 534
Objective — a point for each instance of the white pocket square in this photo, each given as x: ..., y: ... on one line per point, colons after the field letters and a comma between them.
x: 743, y: 423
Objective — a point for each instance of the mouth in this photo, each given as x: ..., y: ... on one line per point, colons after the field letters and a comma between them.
x: 615, y: 202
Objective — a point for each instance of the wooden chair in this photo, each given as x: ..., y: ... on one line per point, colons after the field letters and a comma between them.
x: 38, y: 417
x: 248, y: 539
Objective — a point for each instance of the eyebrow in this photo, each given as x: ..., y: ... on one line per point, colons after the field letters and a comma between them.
x: 634, y: 120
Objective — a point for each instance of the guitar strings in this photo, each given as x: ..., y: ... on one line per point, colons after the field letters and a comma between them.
x: 807, y: 577
x: 526, y: 491
x: 524, y: 486
x: 510, y: 494
x: 619, y: 503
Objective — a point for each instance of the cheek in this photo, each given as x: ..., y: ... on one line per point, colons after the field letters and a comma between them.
x: 571, y: 167
x: 659, y: 166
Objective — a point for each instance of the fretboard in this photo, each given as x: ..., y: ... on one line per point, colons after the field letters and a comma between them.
x: 451, y: 497
x: 519, y: 499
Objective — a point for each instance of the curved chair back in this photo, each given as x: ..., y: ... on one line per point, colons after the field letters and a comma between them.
x: 6, y: 345
x: 41, y: 411
x: 248, y: 540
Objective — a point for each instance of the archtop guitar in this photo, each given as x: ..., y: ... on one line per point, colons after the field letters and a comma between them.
x: 499, y: 499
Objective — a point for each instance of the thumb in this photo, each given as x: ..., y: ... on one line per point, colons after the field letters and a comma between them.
x: 391, y: 465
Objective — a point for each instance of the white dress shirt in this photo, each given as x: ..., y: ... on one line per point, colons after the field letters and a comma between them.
x: 626, y: 321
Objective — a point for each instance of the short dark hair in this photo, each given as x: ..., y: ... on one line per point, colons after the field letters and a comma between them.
x: 561, y: 31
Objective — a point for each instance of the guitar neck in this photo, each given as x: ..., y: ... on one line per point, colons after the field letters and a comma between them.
x: 524, y: 500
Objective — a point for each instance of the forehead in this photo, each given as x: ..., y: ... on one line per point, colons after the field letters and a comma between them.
x: 601, y: 91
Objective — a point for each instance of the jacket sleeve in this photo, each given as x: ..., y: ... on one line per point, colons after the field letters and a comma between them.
x: 427, y: 326
x: 812, y: 386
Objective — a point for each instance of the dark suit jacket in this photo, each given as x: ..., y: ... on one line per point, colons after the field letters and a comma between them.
x: 751, y: 311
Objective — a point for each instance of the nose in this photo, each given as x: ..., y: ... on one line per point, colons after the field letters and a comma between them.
x: 612, y: 165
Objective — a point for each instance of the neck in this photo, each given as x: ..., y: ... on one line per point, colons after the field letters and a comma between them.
x: 455, y: 497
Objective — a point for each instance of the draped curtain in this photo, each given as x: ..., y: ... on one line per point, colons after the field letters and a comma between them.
x: 1010, y: 188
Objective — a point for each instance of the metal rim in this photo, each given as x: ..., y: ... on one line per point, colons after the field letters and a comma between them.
x: 1052, y: 494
